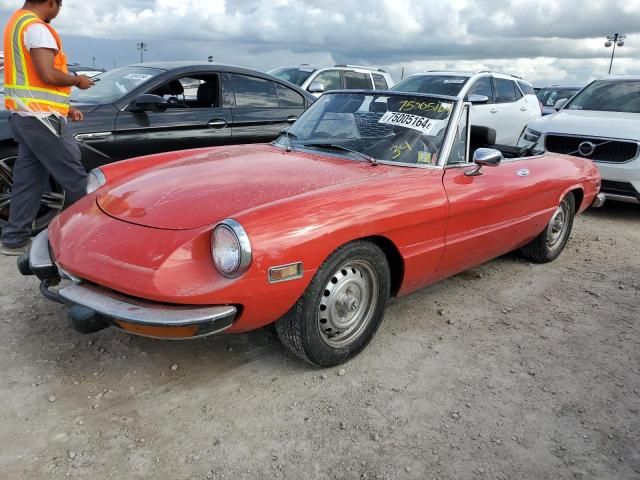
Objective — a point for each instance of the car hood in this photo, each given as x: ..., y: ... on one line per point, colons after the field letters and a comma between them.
x: 590, y: 123
x: 211, y: 185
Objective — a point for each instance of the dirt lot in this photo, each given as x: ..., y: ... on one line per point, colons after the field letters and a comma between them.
x: 509, y: 371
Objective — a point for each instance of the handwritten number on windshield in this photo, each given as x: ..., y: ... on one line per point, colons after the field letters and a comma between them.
x: 398, y: 150
x: 408, y: 105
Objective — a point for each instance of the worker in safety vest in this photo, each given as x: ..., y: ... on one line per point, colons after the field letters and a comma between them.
x: 37, y: 87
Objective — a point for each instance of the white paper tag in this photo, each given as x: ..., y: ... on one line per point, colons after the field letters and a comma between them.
x: 415, y: 122
x: 140, y: 77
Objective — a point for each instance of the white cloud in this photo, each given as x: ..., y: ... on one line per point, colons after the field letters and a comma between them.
x: 543, y: 40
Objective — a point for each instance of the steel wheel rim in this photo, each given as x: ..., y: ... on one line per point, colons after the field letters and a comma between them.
x: 51, y: 202
x: 557, y: 228
x: 348, y: 303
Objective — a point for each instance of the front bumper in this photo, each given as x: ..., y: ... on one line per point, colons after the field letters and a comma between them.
x: 621, y: 182
x: 93, y: 308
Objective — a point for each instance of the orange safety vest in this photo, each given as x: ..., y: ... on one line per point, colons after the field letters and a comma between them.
x: 23, y: 88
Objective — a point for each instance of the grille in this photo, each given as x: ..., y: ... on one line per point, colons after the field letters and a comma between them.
x: 599, y: 150
x: 619, y: 188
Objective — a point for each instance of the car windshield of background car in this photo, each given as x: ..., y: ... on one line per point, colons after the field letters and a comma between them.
x: 403, y: 129
x: 609, y: 96
x: 433, y: 84
x: 549, y: 98
x: 114, y: 84
x: 297, y: 76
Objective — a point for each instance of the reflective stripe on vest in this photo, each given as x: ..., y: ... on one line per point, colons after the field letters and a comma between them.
x: 19, y: 69
x: 31, y: 93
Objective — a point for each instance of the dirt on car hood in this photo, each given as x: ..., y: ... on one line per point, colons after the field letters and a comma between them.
x: 215, y: 184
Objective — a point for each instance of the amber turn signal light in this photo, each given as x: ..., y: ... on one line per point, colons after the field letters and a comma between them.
x: 285, y: 272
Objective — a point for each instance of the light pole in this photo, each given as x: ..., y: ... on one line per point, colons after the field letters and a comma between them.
x: 143, y: 48
x: 615, y: 39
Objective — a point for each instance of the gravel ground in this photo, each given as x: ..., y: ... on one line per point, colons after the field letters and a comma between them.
x: 507, y: 371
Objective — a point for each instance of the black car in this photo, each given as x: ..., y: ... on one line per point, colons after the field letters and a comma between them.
x: 157, y: 107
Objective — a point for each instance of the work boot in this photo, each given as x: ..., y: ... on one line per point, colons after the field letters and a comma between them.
x: 14, y: 251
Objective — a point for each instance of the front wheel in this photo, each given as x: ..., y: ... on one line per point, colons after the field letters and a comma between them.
x: 341, y: 309
x: 549, y: 244
x: 52, y: 199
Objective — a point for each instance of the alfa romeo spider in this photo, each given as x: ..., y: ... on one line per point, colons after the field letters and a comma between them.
x: 368, y: 195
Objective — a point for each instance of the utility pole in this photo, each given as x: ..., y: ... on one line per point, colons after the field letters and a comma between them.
x: 615, y: 39
x: 94, y: 62
x: 143, y: 48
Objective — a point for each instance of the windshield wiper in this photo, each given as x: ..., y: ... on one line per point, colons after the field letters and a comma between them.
x: 333, y: 146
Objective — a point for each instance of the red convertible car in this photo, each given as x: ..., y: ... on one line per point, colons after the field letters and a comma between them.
x: 368, y: 195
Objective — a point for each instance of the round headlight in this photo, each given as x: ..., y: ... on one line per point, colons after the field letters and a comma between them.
x: 231, y: 249
x: 95, y: 181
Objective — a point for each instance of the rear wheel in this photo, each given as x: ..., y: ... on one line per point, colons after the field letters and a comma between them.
x: 341, y: 310
x: 52, y: 199
x: 549, y: 244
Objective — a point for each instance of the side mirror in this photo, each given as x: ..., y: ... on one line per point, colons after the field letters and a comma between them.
x: 484, y: 157
x: 148, y: 103
x: 316, y: 87
x: 560, y: 103
x: 477, y: 99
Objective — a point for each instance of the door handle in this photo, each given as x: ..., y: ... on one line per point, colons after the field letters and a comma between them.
x: 291, y: 119
x: 217, y: 123
x: 523, y: 108
x: 494, y: 110
x: 92, y: 136
x: 523, y: 172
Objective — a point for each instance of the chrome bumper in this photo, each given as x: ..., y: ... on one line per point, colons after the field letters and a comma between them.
x: 622, y: 198
x: 600, y: 200
x: 93, y: 308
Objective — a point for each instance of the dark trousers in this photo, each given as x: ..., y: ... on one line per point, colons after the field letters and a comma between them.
x: 40, y: 154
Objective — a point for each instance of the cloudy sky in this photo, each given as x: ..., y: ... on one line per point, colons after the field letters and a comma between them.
x: 542, y: 40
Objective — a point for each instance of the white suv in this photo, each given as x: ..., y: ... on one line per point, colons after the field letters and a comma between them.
x: 505, y: 103
x: 601, y: 122
x: 317, y: 80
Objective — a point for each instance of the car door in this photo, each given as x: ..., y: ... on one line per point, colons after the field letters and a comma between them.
x: 96, y: 136
x: 492, y: 213
x: 195, y: 117
x: 534, y: 109
x: 483, y: 114
x: 257, y: 112
x: 510, y: 110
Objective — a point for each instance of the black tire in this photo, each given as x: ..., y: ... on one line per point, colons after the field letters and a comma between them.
x: 347, y: 272
x: 52, y: 200
x: 549, y: 244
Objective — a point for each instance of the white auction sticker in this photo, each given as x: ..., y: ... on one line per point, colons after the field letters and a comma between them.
x: 140, y: 77
x: 415, y: 122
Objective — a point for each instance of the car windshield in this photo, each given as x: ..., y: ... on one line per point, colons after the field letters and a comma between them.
x: 114, y: 84
x: 609, y: 96
x: 398, y: 128
x: 550, y: 96
x: 434, y: 84
x: 297, y: 76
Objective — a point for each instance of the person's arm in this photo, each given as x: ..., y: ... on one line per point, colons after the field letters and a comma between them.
x: 43, y: 59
